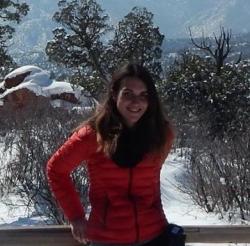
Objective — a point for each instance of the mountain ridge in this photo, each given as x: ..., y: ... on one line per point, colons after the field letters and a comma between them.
x: 173, y: 17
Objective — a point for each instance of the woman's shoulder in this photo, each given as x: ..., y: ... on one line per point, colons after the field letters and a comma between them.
x: 85, y: 131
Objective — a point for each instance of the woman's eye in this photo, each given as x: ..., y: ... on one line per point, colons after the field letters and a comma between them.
x: 127, y: 94
x: 144, y: 97
x: 131, y: 96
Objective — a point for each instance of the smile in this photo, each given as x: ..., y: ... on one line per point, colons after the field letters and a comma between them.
x: 134, y: 110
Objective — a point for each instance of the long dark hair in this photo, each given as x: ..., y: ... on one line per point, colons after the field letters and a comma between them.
x: 107, y: 122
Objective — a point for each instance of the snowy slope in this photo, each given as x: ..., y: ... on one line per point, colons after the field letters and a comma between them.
x: 178, y: 207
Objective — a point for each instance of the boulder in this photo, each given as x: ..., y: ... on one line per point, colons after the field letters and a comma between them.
x: 23, y: 86
x: 14, y: 81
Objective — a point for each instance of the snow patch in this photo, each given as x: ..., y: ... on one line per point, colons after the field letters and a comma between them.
x: 59, y: 87
x: 24, y: 69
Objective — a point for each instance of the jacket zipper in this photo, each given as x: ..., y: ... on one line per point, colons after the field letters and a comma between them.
x: 105, y: 212
x: 134, y: 203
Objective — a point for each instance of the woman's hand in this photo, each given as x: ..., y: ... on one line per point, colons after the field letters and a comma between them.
x: 78, y: 229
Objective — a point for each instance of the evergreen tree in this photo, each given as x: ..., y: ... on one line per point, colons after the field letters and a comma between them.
x: 78, y: 43
x: 82, y: 45
x: 136, y: 39
x: 10, y: 11
x: 219, y: 102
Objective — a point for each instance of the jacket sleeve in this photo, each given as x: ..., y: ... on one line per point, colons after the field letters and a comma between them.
x: 76, y: 149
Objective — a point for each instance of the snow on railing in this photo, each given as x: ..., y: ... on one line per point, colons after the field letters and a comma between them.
x: 61, y: 235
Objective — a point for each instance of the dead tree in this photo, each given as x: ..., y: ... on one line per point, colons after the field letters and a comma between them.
x: 222, y: 46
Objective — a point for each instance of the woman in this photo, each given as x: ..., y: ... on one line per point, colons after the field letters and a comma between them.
x: 124, y: 146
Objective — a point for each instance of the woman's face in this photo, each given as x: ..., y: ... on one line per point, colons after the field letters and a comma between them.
x: 132, y: 100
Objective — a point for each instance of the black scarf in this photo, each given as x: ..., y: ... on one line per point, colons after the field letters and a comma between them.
x: 131, y: 147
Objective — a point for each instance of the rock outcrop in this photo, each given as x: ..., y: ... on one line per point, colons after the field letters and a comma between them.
x: 27, y: 84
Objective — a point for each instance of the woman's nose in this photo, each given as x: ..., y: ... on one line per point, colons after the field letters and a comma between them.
x: 135, y: 99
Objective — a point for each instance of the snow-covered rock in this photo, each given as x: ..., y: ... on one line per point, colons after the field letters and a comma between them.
x: 26, y: 84
x: 29, y: 73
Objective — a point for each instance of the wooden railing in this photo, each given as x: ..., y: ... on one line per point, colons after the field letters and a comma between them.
x: 61, y: 235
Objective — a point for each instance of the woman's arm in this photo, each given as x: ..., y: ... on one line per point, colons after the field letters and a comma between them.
x: 77, y: 148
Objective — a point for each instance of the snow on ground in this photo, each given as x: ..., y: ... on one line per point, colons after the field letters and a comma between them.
x: 178, y: 207
x: 14, y: 214
x: 17, y: 215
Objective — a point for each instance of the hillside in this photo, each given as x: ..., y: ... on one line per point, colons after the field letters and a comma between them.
x: 172, y: 16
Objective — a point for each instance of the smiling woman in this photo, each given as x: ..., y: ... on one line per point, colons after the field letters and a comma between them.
x: 124, y: 145
x: 132, y: 100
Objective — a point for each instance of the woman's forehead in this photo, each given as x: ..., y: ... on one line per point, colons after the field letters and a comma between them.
x: 133, y: 84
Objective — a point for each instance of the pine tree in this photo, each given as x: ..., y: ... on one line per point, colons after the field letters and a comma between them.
x: 81, y: 43
x: 137, y: 40
x: 10, y: 11
x: 77, y: 44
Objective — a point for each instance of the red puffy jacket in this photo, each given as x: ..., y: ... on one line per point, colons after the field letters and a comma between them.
x: 125, y: 202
